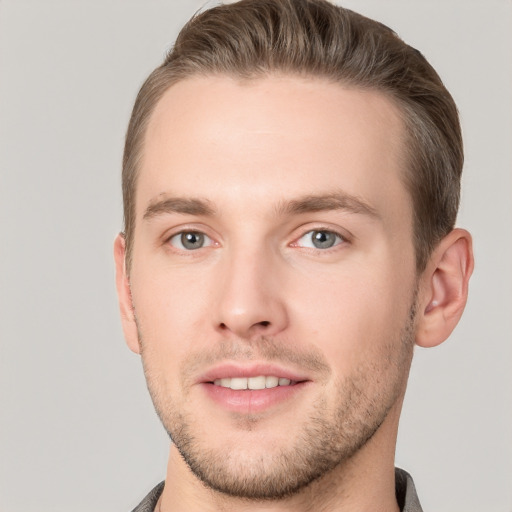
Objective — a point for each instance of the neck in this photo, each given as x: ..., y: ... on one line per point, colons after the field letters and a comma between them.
x: 364, y: 482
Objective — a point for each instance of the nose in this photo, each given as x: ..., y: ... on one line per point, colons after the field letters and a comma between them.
x: 251, y: 299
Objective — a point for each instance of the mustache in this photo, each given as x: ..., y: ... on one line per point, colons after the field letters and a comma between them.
x: 265, y: 348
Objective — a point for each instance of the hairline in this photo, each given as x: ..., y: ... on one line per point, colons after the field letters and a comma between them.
x: 404, y: 111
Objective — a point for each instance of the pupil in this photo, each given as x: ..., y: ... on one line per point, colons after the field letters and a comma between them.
x: 323, y: 239
x: 192, y: 240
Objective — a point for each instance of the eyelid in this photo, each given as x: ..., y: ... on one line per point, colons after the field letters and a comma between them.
x: 208, y: 241
x: 344, y: 238
x: 179, y: 230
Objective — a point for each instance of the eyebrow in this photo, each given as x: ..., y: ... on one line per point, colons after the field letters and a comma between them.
x: 183, y: 205
x: 335, y: 201
x: 305, y: 204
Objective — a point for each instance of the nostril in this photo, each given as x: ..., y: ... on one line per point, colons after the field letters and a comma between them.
x: 244, y: 329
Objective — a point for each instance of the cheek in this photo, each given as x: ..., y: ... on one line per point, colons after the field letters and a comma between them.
x: 352, y: 317
x: 170, y: 308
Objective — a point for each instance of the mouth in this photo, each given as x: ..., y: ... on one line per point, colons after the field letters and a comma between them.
x: 252, y: 389
x: 253, y: 383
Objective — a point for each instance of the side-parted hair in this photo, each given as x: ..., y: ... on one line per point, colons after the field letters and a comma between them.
x: 314, y: 38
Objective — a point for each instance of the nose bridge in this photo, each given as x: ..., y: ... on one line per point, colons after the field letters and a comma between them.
x: 250, y: 300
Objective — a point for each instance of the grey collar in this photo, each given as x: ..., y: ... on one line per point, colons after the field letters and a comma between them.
x: 404, y: 487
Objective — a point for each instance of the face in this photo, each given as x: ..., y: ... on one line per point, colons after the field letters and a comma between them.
x: 273, y: 276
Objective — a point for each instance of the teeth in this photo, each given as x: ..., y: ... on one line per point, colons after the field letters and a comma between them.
x: 256, y: 382
x: 238, y: 383
x: 271, y: 382
x: 260, y: 382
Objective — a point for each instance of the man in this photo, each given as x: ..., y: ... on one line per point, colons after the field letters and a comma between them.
x: 291, y: 180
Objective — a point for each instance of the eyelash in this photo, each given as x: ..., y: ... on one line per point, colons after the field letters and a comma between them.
x: 195, y: 232
x: 340, y: 240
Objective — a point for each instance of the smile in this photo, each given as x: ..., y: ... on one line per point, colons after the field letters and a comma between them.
x: 259, y: 382
x: 252, y: 388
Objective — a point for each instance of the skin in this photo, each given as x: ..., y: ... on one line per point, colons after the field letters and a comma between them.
x: 257, y: 167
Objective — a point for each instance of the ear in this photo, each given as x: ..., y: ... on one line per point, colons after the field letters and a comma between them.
x: 125, y: 296
x: 444, y: 288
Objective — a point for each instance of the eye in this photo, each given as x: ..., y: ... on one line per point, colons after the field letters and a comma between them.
x: 320, y: 239
x: 190, y: 240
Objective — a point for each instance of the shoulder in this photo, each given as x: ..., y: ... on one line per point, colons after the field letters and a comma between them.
x: 148, y: 504
x: 406, y: 495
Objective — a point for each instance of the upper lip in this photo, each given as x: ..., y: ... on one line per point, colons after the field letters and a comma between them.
x: 231, y: 369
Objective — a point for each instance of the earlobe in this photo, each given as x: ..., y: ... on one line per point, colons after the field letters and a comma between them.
x: 124, y: 295
x: 444, y: 288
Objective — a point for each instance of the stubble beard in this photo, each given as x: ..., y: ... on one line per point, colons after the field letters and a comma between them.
x: 328, y: 439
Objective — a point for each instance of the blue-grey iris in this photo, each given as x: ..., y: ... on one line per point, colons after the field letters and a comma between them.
x: 323, y: 239
x: 192, y: 240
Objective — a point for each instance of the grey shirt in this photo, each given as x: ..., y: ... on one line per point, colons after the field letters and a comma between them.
x: 404, y: 487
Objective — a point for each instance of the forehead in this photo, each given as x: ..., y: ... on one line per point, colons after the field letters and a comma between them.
x: 272, y: 137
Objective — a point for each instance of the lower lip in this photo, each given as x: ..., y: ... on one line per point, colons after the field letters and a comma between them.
x: 250, y: 401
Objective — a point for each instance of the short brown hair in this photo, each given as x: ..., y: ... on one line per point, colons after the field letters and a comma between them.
x: 254, y: 38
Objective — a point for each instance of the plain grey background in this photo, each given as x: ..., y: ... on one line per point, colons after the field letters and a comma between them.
x: 77, y: 429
